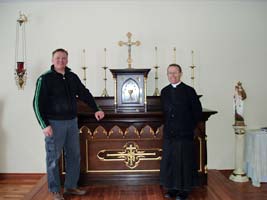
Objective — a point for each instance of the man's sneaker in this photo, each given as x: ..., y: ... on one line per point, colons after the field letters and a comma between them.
x: 74, y: 191
x: 57, y: 196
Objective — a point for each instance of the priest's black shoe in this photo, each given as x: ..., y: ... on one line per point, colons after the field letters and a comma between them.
x: 170, y: 194
x: 182, y: 196
x: 167, y: 195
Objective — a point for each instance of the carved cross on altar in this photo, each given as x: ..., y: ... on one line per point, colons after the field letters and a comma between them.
x: 129, y: 43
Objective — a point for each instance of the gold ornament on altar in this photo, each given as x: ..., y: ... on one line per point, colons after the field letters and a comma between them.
x: 129, y: 44
x: 156, y: 92
x: 130, y: 154
x: 84, y: 67
x: 192, y: 70
x: 105, y: 92
x: 20, y: 51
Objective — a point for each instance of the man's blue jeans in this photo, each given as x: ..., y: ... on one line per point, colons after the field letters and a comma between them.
x: 65, y: 135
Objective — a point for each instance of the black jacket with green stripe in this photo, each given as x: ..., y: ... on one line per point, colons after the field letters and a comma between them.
x: 56, y: 96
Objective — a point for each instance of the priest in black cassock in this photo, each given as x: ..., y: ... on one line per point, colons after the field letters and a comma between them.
x: 182, y: 111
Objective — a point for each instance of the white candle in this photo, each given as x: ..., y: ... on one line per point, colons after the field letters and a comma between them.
x: 174, y: 55
x: 192, y: 52
x: 156, y: 54
x: 105, y: 61
x: 83, y: 58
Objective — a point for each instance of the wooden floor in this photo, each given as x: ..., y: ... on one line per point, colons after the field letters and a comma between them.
x: 16, y: 186
x: 219, y: 188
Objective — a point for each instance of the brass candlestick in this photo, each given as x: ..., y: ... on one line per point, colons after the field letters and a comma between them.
x: 156, y: 92
x: 105, y: 92
x: 192, y: 70
x: 84, y: 67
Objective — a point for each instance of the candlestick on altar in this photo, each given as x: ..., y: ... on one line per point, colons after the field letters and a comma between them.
x: 105, y: 92
x: 84, y: 67
x: 156, y: 92
x: 192, y: 70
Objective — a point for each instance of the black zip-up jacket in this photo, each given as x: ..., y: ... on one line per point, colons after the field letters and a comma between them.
x: 56, y: 96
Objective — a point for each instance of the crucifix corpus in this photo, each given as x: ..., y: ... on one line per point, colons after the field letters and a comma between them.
x: 129, y: 43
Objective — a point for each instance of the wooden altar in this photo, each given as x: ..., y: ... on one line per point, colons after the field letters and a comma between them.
x: 126, y: 147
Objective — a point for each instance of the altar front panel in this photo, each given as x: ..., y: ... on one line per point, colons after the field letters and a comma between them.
x: 120, y: 150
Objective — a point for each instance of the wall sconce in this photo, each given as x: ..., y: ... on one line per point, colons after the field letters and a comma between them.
x: 20, y: 52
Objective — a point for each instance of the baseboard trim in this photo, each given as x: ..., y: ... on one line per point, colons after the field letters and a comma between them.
x: 21, y: 175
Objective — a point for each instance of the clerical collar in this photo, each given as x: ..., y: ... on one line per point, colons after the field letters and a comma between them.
x: 175, y: 85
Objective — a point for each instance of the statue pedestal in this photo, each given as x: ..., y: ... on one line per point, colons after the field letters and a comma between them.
x: 238, y: 175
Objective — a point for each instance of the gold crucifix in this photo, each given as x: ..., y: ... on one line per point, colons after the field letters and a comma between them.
x: 129, y: 43
x: 131, y: 155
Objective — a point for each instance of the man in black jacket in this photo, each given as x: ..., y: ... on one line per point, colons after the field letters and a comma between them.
x: 55, y: 106
x: 182, y: 111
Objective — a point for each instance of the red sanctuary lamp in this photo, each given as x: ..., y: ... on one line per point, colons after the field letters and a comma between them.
x: 20, y: 52
x: 20, y: 73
